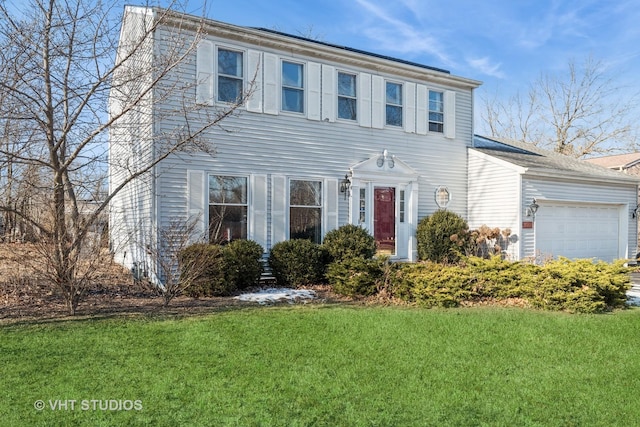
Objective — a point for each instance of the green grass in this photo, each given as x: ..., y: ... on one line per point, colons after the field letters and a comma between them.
x: 329, y: 366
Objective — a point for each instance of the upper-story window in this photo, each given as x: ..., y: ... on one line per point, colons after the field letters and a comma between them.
x: 292, y: 87
x: 436, y: 111
x: 347, y: 100
x: 394, y: 104
x: 230, y: 75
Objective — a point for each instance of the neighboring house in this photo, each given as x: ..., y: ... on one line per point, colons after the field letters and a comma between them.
x: 334, y: 136
x: 627, y: 163
x: 583, y: 210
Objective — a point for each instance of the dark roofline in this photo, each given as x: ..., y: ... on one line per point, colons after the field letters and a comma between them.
x: 350, y: 49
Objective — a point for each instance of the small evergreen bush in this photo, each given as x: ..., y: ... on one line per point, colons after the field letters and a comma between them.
x: 437, y: 237
x: 243, y: 263
x: 349, y: 241
x: 204, y: 265
x: 355, y: 276
x: 297, y: 262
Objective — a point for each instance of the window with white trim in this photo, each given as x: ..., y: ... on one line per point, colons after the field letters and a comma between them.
x: 436, y: 111
x: 347, y: 101
x: 230, y: 75
x: 305, y: 210
x: 227, y: 208
x: 292, y: 87
x: 394, y: 104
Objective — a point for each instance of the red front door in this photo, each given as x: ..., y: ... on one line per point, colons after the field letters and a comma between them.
x: 384, y: 219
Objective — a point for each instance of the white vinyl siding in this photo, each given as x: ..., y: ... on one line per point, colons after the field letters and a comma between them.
x: 494, y: 189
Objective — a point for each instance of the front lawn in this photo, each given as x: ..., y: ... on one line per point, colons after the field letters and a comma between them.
x: 326, y: 366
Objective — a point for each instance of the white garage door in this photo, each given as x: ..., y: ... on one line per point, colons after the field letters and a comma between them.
x: 578, y: 231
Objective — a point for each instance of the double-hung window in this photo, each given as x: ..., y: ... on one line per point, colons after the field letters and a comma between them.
x: 292, y: 87
x: 230, y: 76
x: 227, y: 208
x: 305, y: 210
x: 436, y: 111
x: 347, y: 100
x: 394, y: 104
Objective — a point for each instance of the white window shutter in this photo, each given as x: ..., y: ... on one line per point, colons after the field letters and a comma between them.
x: 254, y: 78
x: 204, y: 73
x: 422, y: 109
x: 313, y: 88
x: 364, y: 100
x: 331, y: 205
x: 409, y: 107
x: 278, y: 209
x: 329, y: 99
x: 378, y: 102
x: 450, y: 114
x: 270, y: 83
x: 196, y: 202
x: 258, y: 231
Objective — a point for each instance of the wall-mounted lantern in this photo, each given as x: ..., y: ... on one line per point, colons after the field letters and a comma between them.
x: 532, y: 209
x: 345, y: 184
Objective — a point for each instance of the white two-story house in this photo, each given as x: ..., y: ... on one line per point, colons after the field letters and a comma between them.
x: 328, y: 136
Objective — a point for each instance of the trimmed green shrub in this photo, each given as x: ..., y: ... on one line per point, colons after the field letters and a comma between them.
x: 243, y: 263
x: 349, y: 241
x: 202, y: 269
x: 354, y: 276
x: 437, y: 237
x: 580, y: 286
x: 297, y: 262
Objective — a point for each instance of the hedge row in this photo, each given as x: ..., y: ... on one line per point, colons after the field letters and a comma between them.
x: 579, y: 286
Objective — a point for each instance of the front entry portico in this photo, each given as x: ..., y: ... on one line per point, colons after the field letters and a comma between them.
x: 384, y: 200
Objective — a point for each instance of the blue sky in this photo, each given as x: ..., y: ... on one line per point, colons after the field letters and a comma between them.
x: 506, y: 44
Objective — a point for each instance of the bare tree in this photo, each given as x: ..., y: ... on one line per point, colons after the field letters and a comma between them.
x: 578, y: 114
x: 59, y: 72
x: 179, y: 272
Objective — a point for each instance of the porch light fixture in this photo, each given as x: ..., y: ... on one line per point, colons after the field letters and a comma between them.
x: 345, y: 184
x: 385, y: 157
x: 634, y: 213
x: 532, y: 209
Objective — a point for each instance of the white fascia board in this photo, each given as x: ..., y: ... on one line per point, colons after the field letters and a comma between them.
x: 519, y: 169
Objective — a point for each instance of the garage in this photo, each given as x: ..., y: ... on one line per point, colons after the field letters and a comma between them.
x: 577, y: 230
x: 553, y: 205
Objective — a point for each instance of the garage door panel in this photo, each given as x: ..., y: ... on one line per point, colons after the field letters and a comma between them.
x: 578, y: 231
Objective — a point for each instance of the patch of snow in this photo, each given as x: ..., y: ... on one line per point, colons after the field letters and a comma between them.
x: 633, y: 296
x: 271, y: 295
